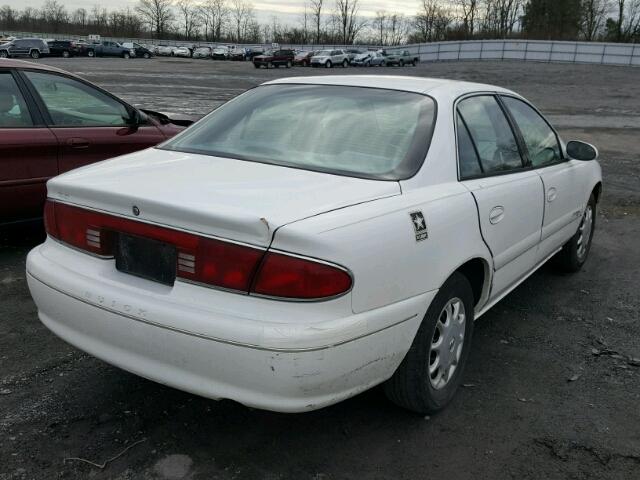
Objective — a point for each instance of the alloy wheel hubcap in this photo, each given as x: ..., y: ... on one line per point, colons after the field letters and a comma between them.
x: 584, y: 232
x: 447, y: 343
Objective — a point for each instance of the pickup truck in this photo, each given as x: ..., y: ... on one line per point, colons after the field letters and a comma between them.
x: 401, y: 58
x: 110, y: 49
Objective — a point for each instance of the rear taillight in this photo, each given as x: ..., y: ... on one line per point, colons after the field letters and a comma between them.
x: 201, y: 259
x: 286, y: 276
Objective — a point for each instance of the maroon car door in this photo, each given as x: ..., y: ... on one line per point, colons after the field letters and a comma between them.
x: 28, y: 155
x: 90, y: 124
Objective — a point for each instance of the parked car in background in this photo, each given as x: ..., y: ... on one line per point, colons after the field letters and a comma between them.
x: 220, y: 53
x: 62, y: 48
x: 239, y: 54
x: 52, y: 121
x: 353, y: 52
x: 107, y: 48
x: 401, y: 58
x: 202, y: 52
x: 167, y: 50
x: 223, y: 263
x: 252, y: 52
x: 362, y: 59
x: 304, y: 58
x: 140, y: 50
x: 275, y: 58
x: 82, y: 48
x: 183, y: 52
x: 377, y: 59
x: 330, y: 58
x: 24, y: 47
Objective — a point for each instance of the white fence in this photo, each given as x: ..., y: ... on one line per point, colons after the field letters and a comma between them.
x: 525, y: 50
x: 529, y: 50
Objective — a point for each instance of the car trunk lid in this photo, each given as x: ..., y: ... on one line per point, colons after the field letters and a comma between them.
x: 228, y: 198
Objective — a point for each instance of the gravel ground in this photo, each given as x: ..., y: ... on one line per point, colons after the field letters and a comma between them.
x: 552, y: 390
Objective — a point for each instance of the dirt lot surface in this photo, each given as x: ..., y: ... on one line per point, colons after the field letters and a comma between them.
x: 553, y: 385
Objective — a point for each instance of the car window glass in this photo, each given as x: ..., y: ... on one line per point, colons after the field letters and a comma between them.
x: 540, y: 139
x: 73, y: 103
x: 491, y: 134
x: 13, y: 108
x: 468, y: 160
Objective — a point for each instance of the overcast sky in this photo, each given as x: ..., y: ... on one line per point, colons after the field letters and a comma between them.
x: 288, y: 11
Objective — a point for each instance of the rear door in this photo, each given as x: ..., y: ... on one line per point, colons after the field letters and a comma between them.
x: 561, y: 178
x: 89, y: 124
x: 509, y: 196
x: 28, y: 152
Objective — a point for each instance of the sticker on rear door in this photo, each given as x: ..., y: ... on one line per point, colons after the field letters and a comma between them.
x: 419, y: 225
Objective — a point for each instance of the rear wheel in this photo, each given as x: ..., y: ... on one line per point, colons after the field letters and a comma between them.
x: 257, y: 65
x: 289, y: 64
x: 429, y: 375
x: 345, y: 63
x: 91, y: 53
x: 401, y: 63
x: 65, y: 54
x: 574, y: 253
x: 126, y: 55
x: 270, y: 65
x: 34, y: 54
x: 328, y: 64
x: 146, y: 55
x: 4, y: 54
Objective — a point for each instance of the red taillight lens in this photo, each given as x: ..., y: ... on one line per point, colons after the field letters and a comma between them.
x: 297, y: 278
x: 202, y: 259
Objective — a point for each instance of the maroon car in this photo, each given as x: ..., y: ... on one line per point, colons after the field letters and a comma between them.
x: 275, y: 58
x: 52, y: 121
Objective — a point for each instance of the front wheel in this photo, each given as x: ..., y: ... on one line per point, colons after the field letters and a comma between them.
x: 289, y: 64
x: 328, y: 64
x: 428, y: 377
x: 35, y: 54
x: 257, y: 65
x: 4, y: 54
x: 345, y: 64
x: 574, y: 253
x: 146, y: 55
x: 91, y: 53
x: 126, y: 55
x: 401, y: 63
x: 65, y: 54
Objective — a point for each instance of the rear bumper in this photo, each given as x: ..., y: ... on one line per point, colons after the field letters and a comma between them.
x: 275, y: 360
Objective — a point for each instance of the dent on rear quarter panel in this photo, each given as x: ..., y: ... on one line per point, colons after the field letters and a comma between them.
x: 377, y: 242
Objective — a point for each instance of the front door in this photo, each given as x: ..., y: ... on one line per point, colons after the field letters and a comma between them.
x: 509, y: 198
x: 28, y: 155
x: 89, y: 124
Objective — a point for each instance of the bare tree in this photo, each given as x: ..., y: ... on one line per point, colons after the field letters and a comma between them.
x: 469, y: 14
x: 157, y: 13
x: 432, y: 21
x: 316, y: 15
x: 189, y: 17
x: 379, y: 24
x: 214, y: 14
x: 593, y: 14
x: 349, y: 22
x: 55, y: 14
x: 241, y: 15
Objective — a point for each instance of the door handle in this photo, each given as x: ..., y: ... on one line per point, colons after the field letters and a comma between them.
x: 552, y: 194
x: 496, y: 215
x: 78, y: 143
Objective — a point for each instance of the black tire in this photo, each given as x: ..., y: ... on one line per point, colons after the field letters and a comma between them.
x: 411, y: 386
x: 4, y: 54
x: 257, y: 65
x: 401, y: 63
x: 35, y: 54
x: 572, y: 257
x: 91, y: 53
x: 146, y: 55
x: 289, y: 64
x: 328, y: 64
x: 345, y: 63
x: 367, y: 64
x: 269, y: 64
x: 65, y: 54
x: 126, y: 55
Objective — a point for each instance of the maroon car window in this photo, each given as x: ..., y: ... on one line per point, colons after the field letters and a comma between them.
x: 74, y: 104
x: 13, y: 109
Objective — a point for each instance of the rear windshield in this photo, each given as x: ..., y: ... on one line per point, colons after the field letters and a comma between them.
x: 354, y: 131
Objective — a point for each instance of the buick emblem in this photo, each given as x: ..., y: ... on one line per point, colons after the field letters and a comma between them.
x: 136, y: 211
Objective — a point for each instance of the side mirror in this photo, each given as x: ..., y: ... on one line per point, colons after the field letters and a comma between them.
x: 135, y: 119
x: 581, y: 150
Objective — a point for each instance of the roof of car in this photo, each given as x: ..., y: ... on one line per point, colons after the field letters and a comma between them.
x: 391, y: 82
x: 11, y: 63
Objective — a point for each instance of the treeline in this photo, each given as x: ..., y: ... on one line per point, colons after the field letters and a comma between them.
x: 339, y: 21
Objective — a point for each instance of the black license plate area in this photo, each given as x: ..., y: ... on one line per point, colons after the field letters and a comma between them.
x: 146, y: 258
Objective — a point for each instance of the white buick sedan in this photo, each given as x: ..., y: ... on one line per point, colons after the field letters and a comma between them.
x: 314, y: 237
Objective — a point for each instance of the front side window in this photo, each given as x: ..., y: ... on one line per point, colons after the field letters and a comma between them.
x: 491, y: 134
x: 361, y: 132
x: 74, y: 104
x: 13, y: 109
x: 539, y: 137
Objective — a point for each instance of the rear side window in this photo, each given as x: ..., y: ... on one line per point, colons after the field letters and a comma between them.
x: 74, y: 104
x: 491, y: 134
x: 468, y: 160
x: 13, y: 108
x: 539, y: 138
